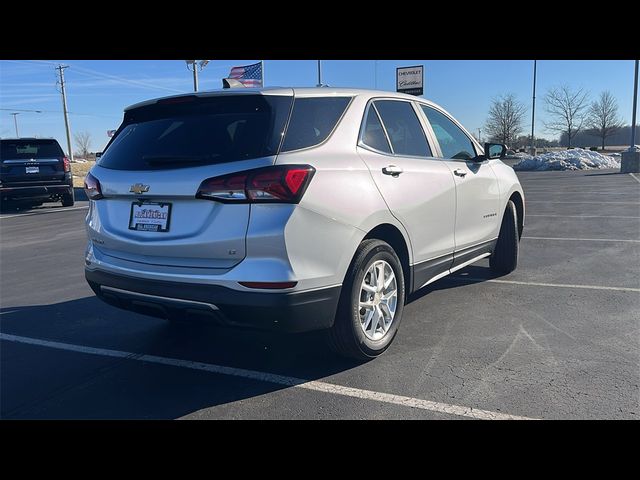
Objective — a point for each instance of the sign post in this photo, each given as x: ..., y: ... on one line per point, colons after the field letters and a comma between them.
x: 410, y: 80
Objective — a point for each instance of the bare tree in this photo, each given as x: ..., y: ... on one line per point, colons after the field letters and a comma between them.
x: 506, y: 116
x: 83, y: 143
x: 567, y: 110
x: 603, y: 116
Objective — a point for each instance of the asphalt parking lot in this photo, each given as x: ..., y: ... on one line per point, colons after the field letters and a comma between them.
x: 557, y: 339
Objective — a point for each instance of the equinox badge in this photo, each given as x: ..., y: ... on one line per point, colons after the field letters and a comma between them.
x: 139, y: 188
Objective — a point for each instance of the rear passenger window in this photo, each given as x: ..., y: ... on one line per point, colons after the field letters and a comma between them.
x: 453, y: 141
x: 373, y: 135
x: 403, y: 127
x: 312, y: 120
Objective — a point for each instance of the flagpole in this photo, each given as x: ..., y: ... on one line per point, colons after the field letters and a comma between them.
x: 262, y: 65
x: 375, y: 73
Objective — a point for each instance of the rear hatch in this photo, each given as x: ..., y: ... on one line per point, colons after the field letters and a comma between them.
x: 150, y: 173
x: 27, y: 162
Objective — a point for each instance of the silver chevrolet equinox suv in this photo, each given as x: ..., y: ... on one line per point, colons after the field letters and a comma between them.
x: 294, y: 209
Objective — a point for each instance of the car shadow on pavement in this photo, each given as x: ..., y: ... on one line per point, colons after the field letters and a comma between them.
x: 14, y: 207
x: 44, y: 382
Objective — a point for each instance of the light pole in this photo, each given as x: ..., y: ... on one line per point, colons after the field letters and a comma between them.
x: 635, y: 107
x: 533, y: 111
x: 195, y: 65
x: 15, y: 122
x: 14, y: 113
x: 630, y: 162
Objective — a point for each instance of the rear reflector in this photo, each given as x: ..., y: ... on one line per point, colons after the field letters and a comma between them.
x: 276, y: 184
x: 269, y: 285
x: 92, y: 187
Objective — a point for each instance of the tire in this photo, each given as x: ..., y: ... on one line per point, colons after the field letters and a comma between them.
x: 505, y: 256
x: 347, y: 336
x: 67, y: 200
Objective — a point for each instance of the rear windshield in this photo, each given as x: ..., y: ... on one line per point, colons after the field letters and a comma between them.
x: 312, y: 120
x: 27, y: 149
x: 195, y: 131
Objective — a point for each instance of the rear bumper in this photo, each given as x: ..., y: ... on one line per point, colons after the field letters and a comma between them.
x: 280, y: 311
x: 34, y: 191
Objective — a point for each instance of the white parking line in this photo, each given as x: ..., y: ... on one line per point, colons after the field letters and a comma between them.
x: 41, y: 212
x: 584, y: 239
x: 564, y: 192
x: 631, y: 187
x: 599, y: 203
x: 578, y: 216
x: 554, y: 285
x: 600, y: 183
x: 635, y: 177
x: 277, y: 379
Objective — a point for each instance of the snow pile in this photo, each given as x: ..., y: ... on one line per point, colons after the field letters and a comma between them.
x: 574, y: 159
x: 79, y: 160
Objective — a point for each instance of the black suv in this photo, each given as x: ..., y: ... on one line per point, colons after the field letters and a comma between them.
x: 33, y: 171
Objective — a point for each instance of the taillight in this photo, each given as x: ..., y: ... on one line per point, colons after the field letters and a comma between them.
x: 277, y: 184
x: 92, y: 187
x: 67, y: 164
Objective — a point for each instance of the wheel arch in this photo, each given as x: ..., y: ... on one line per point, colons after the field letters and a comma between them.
x: 516, y: 198
x: 394, y: 237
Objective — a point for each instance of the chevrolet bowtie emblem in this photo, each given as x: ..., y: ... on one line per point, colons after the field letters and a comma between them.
x: 139, y: 188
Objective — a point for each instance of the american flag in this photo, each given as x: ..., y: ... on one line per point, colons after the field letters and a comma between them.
x: 248, y: 75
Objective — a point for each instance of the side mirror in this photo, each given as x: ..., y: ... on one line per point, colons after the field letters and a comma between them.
x: 98, y: 155
x: 494, y: 150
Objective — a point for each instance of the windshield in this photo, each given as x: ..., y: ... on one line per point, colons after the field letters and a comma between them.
x: 190, y: 131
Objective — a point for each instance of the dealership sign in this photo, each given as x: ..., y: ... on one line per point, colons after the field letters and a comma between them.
x: 410, y: 80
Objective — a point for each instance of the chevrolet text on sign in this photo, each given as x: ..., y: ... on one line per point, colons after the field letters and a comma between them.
x: 410, y: 80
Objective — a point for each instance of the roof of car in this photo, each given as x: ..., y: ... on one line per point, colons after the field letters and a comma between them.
x: 298, y: 92
x: 29, y: 139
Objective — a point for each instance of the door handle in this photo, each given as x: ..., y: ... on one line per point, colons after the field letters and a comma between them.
x: 392, y: 170
x: 460, y: 172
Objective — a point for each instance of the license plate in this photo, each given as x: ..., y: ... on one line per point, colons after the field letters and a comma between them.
x: 150, y: 217
x: 33, y: 169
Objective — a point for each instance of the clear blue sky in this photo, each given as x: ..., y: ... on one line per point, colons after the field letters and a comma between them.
x: 98, y: 90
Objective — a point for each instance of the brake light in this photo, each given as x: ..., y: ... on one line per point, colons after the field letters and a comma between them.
x: 174, y: 100
x: 67, y: 164
x: 92, y: 187
x: 277, y: 184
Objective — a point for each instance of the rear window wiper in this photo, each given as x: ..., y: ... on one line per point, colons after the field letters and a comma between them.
x: 176, y: 159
